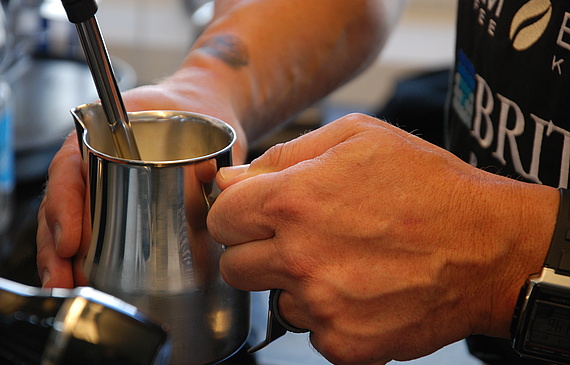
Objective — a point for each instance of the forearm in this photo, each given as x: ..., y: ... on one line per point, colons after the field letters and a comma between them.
x: 275, y: 58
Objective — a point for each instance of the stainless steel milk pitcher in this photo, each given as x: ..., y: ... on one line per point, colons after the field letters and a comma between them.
x: 148, y: 242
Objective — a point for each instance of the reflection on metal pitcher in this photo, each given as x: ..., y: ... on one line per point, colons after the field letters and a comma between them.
x: 148, y: 242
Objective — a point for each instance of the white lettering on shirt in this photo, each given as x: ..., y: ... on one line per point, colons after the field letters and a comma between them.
x: 487, y: 131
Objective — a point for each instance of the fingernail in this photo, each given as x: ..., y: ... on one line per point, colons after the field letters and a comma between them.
x: 56, y: 235
x: 228, y: 173
x: 45, y: 277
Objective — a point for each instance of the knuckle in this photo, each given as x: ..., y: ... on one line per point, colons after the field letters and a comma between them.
x: 288, y: 202
x: 359, y: 120
x: 274, y: 154
x: 279, y: 156
x: 300, y: 265
x: 356, y: 124
x: 272, y: 158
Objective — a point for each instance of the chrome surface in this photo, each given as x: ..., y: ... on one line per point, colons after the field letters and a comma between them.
x: 107, y: 88
x: 79, y: 326
x: 149, y: 243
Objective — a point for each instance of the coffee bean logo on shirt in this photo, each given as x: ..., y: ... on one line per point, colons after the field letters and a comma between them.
x: 529, y: 23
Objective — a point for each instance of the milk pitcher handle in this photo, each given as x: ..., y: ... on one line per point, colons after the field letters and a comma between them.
x: 277, y: 326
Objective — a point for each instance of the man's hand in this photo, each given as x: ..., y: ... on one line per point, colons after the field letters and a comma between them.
x: 386, y: 246
x: 61, y: 215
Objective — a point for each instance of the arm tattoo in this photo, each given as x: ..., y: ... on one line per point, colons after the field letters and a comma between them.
x: 228, y: 48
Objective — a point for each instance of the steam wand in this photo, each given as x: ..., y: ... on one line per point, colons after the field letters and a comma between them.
x: 82, y: 13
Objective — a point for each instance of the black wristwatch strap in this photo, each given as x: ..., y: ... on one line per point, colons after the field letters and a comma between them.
x: 558, y: 257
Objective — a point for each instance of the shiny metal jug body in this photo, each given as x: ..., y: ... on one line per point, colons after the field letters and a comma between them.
x: 147, y: 242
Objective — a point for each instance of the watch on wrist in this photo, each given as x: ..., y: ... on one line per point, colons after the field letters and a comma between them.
x: 541, y: 322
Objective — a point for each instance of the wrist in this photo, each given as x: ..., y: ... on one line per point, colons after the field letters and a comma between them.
x: 540, y: 325
x: 530, y: 227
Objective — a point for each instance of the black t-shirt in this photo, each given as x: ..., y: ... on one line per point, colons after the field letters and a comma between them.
x: 509, y: 109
